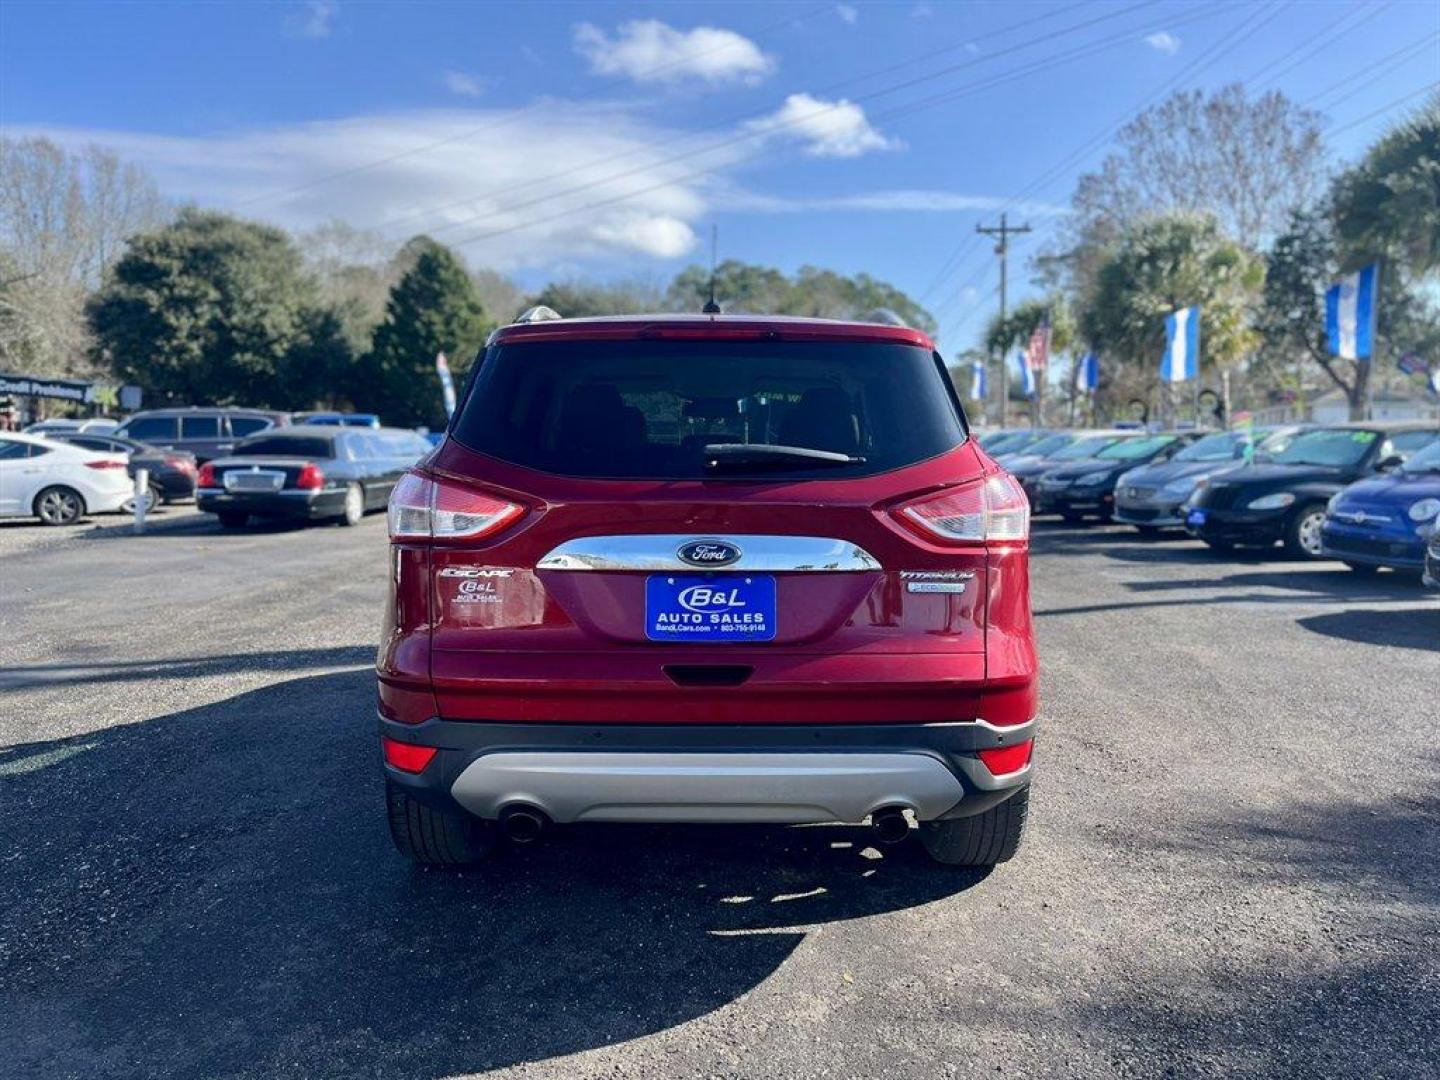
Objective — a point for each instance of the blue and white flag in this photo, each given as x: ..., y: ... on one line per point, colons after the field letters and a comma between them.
x: 1027, y: 375
x: 447, y: 384
x: 1182, y: 346
x: 977, y: 381
x: 1350, y: 313
x: 1089, y: 378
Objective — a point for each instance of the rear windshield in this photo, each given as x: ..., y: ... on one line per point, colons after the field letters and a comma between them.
x: 281, y: 446
x: 647, y: 409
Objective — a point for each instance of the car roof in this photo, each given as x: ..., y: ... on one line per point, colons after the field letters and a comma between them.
x: 206, y: 410
x: 782, y: 327
x: 1385, y: 426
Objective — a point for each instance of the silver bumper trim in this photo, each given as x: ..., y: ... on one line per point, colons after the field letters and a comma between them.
x: 779, y: 788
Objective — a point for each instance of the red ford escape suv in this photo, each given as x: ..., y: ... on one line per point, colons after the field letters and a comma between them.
x: 696, y: 569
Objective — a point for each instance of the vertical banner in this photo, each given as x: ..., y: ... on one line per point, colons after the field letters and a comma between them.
x: 1181, y: 362
x: 977, y: 381
x: 1350, y: 313
x: 1027, y: 374
x: 447, y: 384
x: 1089, y: 380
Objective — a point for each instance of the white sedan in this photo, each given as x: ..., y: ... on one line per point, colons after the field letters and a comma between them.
x: 57, y: 482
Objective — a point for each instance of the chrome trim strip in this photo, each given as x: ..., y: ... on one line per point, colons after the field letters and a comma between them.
x: 660, y: 552
x: 693, y: 786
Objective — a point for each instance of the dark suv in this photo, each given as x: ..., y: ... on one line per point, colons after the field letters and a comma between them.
x: 206, y: 433
x: 731, y: 569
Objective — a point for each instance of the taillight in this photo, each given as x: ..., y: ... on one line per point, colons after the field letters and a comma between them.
x: 183, y: 464
x: 1003, y: 760
x: 993, y: 510
x: 310, y: 476
x: 206, y: 478
x: 422, y: 508
x: 104, y: 463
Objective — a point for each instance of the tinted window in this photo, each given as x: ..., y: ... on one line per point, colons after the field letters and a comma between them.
x: 1219, y: 447
x: 1336, y: 447
x: 199, y: 427
x: 10, y: 449
x: 1085, y: 448
x: 1135, y: 449
x: 151, y: 428
x: 1406, y: 443
x: 1426, y: 460
x: 247, y: 425
x: 305, y: 446
x: 1046, y: 447
x: 38, y: 451
x: 648, y: 409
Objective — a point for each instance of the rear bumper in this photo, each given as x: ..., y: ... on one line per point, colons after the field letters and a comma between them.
x: 789, y: 774
x: 292, y: 505
x: 1153, y: 513
x: 1080, y: 501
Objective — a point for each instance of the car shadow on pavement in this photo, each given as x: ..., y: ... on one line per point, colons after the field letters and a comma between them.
x: 1407, y: 629
x: 212, y: 893
x: 80, y: 672
x: 1349, y: 994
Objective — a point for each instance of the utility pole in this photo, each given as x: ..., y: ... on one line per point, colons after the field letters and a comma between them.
x: 1002, y: 234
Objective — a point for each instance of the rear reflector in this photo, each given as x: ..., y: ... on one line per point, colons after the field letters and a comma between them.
x: 405, y: 756
x: 422, y: 508
x: 1001, y: 760
x: 992, y: 510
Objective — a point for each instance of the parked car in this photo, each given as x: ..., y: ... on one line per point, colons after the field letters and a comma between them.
x: 1048, y: 444
x: 1431, y: 576
x: 1386, y: 520
x: 171, y: 472
x: 337, y: 419
x: 1284, y: 501
x: 1089, y: 443
x: 206, y: 433
x: 304, y: 473
x: 1151, y: 496
x: 1087, y: 487
x: 58, y: 483
x: 731, y: 569
x: 1015, y: 442
x: 97, y: 424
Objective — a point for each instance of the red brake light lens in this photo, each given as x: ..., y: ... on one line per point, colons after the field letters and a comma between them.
x: 992, y: 510
x: 422, y: 508
x: 405, y: 756
x: 206, y: 477
x: 310, y: 477
x: 104, y: 463
x: 1002, y: 760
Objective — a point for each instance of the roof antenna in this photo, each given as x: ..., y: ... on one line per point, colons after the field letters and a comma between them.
x: 712, y: 306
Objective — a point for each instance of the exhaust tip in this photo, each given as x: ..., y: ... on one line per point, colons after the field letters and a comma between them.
x: 522, y: 824
x: 890, y: 825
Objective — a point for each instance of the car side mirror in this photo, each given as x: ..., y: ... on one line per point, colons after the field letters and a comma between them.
x: 1389, y: 464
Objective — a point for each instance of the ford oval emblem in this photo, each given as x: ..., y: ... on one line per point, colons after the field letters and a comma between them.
x: 709, y: 553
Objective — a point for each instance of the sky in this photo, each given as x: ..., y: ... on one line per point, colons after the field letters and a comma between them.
x: 603, y: 140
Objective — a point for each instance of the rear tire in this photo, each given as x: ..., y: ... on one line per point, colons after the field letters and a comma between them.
x: 354, y: 505
x: 1302, y: 535
x: 434, y: 837
x: 232, y: 519
x: 59, y: 505
x: 982, y: 839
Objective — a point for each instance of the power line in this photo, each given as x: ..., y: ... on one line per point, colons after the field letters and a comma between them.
x: 1387, y: 107
x: 1372, y: 81
x: 1043, y: 64
x: 1330, y: 32
x: 762, y: 133
x: 1385, y: 64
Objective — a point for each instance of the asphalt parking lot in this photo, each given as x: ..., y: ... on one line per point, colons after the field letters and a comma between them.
x: 1233, y: 867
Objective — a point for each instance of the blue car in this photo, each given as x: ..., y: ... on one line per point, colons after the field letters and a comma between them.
x: 1386, y: 520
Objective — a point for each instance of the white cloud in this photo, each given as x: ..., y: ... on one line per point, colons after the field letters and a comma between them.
x: 828, y: 128
x: 457, y: 82
x: 474, y: 178
x: 649, y: 51
x: 311, y: 19
x: 1163, y: 41
x: 847, y: 12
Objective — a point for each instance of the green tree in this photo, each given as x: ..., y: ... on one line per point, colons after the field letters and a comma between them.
x: 1388, y: 205
x: 1015, y: 330
x: 1161, y: 265
x: 432, y: 309
x: 215, y: 310
x: 577, y: 299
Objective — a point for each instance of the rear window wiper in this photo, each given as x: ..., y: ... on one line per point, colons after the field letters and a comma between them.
x: 739, y: 455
